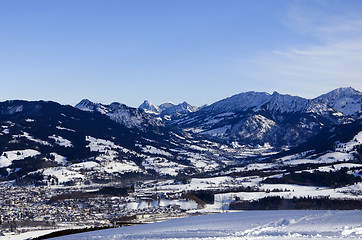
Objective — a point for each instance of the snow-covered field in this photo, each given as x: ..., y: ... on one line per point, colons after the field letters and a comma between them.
x: 36, y: 233
x: 243, y: 225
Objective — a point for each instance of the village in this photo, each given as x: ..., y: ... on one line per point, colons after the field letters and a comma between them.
x: 52, y: 207
x: 31, y: 208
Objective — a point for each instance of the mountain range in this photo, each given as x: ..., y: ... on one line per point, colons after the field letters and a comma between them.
x: 278, y: 120
x: 168, y: 110
x: 48, y: 142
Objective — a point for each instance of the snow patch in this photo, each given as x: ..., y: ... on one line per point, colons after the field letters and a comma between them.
x: 105, y: 146
x: 85, y: 165
x: 59, y: 158
x: 156, y: 151
x: 349, y: 146
x: 218, y: 131
x: 63, y: 128
x: 62, y: 173
x: 335, y: 157
x: 61, y: 141
x: 15, y: 109
x: 121, y: 167
x: 7, y: 158
x: 31, y: 138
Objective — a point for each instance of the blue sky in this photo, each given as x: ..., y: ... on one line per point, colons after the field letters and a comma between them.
x: 198, y: 51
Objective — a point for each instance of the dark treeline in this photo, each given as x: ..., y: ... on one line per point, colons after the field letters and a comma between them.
x: 322, y: 179
x: 201, y: 197
x: 111, y: 191
x: 304, y: 203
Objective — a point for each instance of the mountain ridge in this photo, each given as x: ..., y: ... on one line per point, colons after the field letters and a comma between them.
x: 168, y: 110
x: 282, y: 120
x: 98, y: 143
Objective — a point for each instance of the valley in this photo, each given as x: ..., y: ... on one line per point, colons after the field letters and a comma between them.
x: 97, y: 165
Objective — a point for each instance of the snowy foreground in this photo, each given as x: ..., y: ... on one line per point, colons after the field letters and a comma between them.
x: 243, y: 225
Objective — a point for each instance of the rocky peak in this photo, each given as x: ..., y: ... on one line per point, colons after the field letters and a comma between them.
x: 149, y: 107
x: 180, y: 109
x: 167, y: 105
x: 285, y: 103
x: 86, y: 105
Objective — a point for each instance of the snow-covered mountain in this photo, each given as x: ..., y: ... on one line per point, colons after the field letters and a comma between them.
x: 279, y: 104
x: 46, y: 141
x: 96, y: 142
x: 177, y: 111
x: 346, y: 101
x: 168, y: 110
x: 167, y: 105
x: 258, y: 118
x: 150, y: 108
x: 127, y: 116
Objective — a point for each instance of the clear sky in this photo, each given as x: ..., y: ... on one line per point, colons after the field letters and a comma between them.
x: 198, y: 51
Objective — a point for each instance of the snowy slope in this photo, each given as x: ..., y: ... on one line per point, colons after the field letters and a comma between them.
x: 256, y: 101
x: 243, y: 225
x: 347, y: 101
x: 239, y: 102
x: 7, y: 157
x: 280, y: 103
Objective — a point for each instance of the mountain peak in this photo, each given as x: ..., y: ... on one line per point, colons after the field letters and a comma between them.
x: 164, y: 106
x: 341, y: 92
x: 149, y: 107
x: 85, y: 101
x: 239, y: 102
x: 86, y: 105
x: 286, y: 103
x: 181, y: 109
x: 345, y: 100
